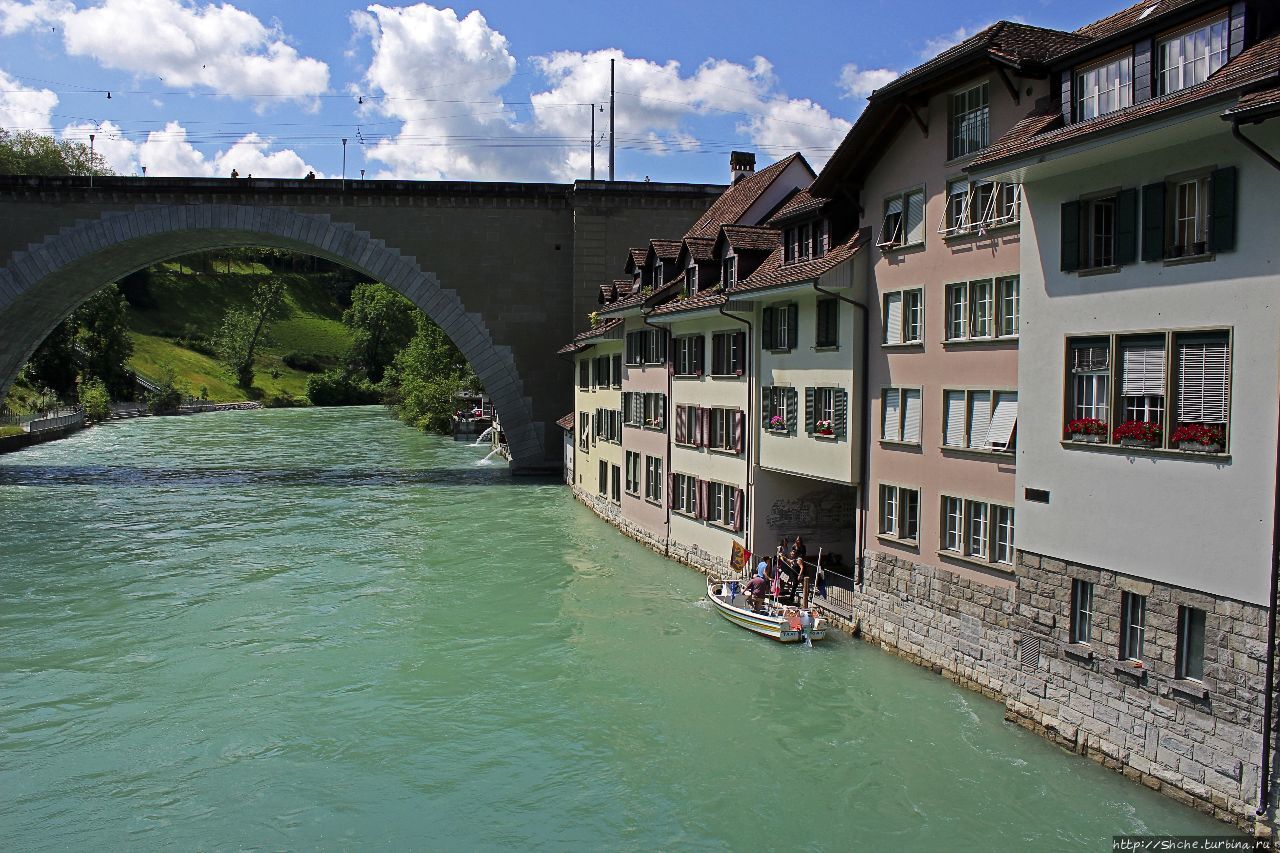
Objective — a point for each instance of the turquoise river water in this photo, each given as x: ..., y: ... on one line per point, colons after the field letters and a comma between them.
x: 320, y: 630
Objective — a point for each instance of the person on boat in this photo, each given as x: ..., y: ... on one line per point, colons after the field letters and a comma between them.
x: 757, y: 589
x: 798, y: 547
x: 763, y: 568
x: 802, y: 573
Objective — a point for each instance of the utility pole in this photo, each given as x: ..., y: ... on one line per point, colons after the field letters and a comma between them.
x: 91, y: 136
x: 344, y: 163
x: 611, y: 102
x: 593, y: 142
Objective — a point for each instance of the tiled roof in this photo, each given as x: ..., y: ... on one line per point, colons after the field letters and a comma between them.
x: 1020, y: 45
x: 1266, y: 100
x: 566, y: 423
x: 752, y: 237
x: 623, y: 303
x: 582, y: 340
x: 615, y: 290
x: 667, y: 250
x: 803, y: 203
x: 1045, y: 130
x: 638, y: 255
x: 736, y: 200
x: 700, y: 248
x: 1126, y: 18
x: 705, y: 299
x: 773, y: 273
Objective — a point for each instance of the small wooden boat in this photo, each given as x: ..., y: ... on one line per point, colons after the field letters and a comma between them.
x: 780, y: 622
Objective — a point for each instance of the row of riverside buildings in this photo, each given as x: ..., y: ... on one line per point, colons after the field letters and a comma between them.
x: 1012, y: 361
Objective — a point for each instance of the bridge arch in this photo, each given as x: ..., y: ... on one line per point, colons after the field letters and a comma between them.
x: 42, y: 285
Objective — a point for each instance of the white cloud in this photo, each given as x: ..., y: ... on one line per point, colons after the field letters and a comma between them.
x: 218, y: 48
x: 22, y: 108
x: 169, y: 153
x: 861, y: 82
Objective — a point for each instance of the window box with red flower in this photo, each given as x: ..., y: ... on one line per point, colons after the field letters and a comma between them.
x: 1198, y: 438
x: 1089, y: 430
x: 777, y: 423
x: 1138, y: 434
x: 825, y: 428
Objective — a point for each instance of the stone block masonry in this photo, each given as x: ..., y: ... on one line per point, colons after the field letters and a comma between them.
x: 1199, y: 743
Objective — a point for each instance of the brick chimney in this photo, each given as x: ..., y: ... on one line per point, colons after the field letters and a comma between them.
x: 741, y: 164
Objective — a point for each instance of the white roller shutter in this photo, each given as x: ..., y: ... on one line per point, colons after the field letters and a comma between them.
x: 911, y: 415
x: 915, y: 217
x: 955, y: 418
x: 979, y: 418
x: 1204, y: 370
x: 1003, y: 419
x: 1143, y: 367
x: 893, y: 318
x: 891, y: 421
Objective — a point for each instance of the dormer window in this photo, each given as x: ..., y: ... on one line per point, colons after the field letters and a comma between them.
x: 969, y: 121
x: 1190, y: 56
x: 691, y: 280
x: 730, y: 277
x: 1104, y: 88
x: 657, y: 274
x: 819, y: 238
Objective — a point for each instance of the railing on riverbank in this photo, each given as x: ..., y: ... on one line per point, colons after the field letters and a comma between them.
x: 44, y: 421
x: 839, y: 597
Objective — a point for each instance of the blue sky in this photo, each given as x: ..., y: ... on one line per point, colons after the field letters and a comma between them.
x: 491, y: 91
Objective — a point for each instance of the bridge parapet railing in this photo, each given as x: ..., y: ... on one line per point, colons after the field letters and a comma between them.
x: 63, y: 418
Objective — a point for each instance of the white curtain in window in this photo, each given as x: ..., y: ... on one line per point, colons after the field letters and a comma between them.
x: 1203, y: 373
x: 891, y: 425
x: 1143, y: 366
x: 955, y: 418
x: 911, y: 415
x: 1003, y: 419
x: 892, y: 318
x: 979, y: 418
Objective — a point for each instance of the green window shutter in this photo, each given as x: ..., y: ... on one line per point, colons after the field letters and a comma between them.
x: 699, y: 355
x: 809, y: 416
x: 765, y: 413
x: 1071, y: 236
x: 791, y: 411
x: 741, y: 366
x: 1126, y: 226
x: 1222, y: 228
x: 766, y: 329
x: 842, y: 412
x: 793, y: 325
x: 1153, y: 222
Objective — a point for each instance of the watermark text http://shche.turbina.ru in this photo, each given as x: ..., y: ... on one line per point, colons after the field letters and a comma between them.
x: 1228, y: 843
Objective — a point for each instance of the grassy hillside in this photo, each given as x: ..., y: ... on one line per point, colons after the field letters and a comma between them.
x: 180, y: 311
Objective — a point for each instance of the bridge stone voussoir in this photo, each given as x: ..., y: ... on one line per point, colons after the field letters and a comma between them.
x: 398, y: 276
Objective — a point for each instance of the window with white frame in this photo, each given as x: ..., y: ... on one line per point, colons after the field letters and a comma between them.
x: 616, y: 372
x: 616, y: 484
x: 1189, y: 663
x: 900, y: 415
x: 729, y: 276
x: 684, y: 493
x: 688, y: 352
x: 1100, y: 232
x: 584, y: 431
x: 584, y: 375
x: 819, y: 236
x: 691, y: 280
x: 982, y: 309
x: 1081, y: 610
x: 1190, y: 232
x: 824, y: 406
x: 899, y: 512
x: 969, y: 121
x: 720, y: 429
x: 655, y: 410
x: 904, y: 317
x: 1133, y: 625
x: 604, y: 478
x: 720, y: 497
x: 728, y: 353
x: 980, y: 419
x: 977, y: 530
x: 779, y: 409
x: 1186, y: 396
x: 973, y: 207
x: 1104, y: 88
x: 647, y: 346
x: 780, y: 326
x: 653, y: 478
x: 658, y: 279
x: 633, y: 472
x: 1189, y: 57
x: 903, y: 219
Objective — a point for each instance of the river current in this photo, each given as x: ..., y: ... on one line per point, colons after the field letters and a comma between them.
x: 320, y: 630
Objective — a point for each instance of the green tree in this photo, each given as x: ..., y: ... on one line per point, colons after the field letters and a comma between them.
x: 421, y: 384
x: 244, y: 329
x: 29, y: 153
x: 382, y: 323
x: 168, y: 396
x: 95, y: 399
x: 103, y: 341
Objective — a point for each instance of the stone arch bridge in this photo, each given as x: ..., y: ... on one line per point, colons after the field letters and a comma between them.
x: 506, y: 269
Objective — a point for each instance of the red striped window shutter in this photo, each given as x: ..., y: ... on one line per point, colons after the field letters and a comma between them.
x: 739, y: 430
